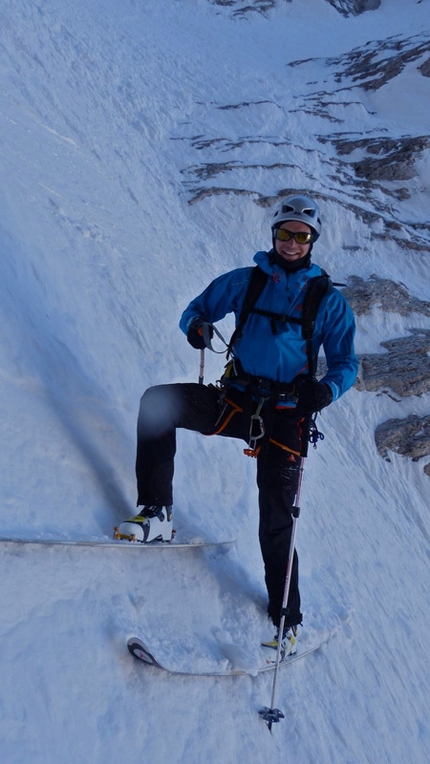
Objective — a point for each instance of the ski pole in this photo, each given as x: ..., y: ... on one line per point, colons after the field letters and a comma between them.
x: 273, y: 714
x: 202, y: 366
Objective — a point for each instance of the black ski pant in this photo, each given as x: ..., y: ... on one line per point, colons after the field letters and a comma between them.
x: 210, y: 411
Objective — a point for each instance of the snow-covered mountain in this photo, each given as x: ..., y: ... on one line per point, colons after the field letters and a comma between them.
x: 142, y: 148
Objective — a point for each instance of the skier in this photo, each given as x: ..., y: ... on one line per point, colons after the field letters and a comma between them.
x: 266, y: 396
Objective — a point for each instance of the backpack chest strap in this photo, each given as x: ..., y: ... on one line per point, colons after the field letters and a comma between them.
x: 276, y: 318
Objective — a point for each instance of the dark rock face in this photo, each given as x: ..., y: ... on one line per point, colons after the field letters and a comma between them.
x: 386, y: 159
x: 403, y: 371
x: 354, y: 7
x: 379, y: 61
x: 345, y: 7
x: 240, y: 8
x: 408, y: 437
x: 384, y: 294
x: 400, y: 372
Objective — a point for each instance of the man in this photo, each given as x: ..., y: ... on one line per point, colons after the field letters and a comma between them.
x: 266, y: 396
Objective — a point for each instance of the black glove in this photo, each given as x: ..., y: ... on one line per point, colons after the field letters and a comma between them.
x: 313, y: 396
x: 195, y: 333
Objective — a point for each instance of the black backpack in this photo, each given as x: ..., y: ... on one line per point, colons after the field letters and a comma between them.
x: 318, y: 287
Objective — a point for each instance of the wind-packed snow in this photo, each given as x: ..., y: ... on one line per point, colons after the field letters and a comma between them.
x: 114, y: 116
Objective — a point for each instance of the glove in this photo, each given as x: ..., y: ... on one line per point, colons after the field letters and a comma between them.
x: 314, y: 396
x: 195, y: 333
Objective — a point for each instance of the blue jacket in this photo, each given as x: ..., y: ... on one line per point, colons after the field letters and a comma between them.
x: 282, y: 357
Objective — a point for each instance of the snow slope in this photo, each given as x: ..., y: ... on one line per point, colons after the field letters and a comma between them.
x: 114, y: 117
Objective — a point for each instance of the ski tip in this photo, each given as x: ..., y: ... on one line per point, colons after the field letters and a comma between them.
x: 139, y: 650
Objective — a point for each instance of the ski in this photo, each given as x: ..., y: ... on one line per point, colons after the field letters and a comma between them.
x: 120, y: 544
x: 141, y: 651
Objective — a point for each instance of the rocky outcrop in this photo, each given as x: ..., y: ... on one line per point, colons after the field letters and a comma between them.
x: 345, y: 7
x: 380, y: 61
x: 408, y: 437
x: 354, y: 7
x: 241, y: 8
x: 402, y: 371
x: 425, y: 68
x: 386, y: 159
x: 385, y: 294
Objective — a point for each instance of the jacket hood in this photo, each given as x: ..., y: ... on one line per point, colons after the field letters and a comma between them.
x: 267, y: 264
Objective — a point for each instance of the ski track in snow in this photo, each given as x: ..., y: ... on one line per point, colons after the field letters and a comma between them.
x: 110, y: 118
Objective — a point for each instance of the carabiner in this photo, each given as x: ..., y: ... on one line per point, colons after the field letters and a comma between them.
x: 254, y: 435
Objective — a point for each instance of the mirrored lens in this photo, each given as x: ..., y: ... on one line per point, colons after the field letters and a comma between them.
x: 301, y: 237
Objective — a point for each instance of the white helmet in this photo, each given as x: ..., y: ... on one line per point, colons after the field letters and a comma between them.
x: 299, y: 208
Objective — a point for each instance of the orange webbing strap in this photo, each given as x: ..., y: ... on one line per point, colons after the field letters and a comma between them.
x: 284, y: 448
x: 234, y: 411
x: 255, y: 451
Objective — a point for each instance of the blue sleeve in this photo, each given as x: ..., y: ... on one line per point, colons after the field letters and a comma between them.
x: 223, y: 295
x: 338, y: 342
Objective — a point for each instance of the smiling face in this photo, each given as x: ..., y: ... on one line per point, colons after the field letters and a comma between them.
x: 291, y: 250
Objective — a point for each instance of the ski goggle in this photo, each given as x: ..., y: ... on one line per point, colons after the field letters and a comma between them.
x: 301, y: 237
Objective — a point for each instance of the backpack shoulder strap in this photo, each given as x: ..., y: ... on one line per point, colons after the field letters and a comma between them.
x: 319, y: 286
x: 257, y: 282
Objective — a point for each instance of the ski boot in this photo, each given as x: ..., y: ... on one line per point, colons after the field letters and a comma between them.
x: 288, y: 643
x: 150, y: 524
